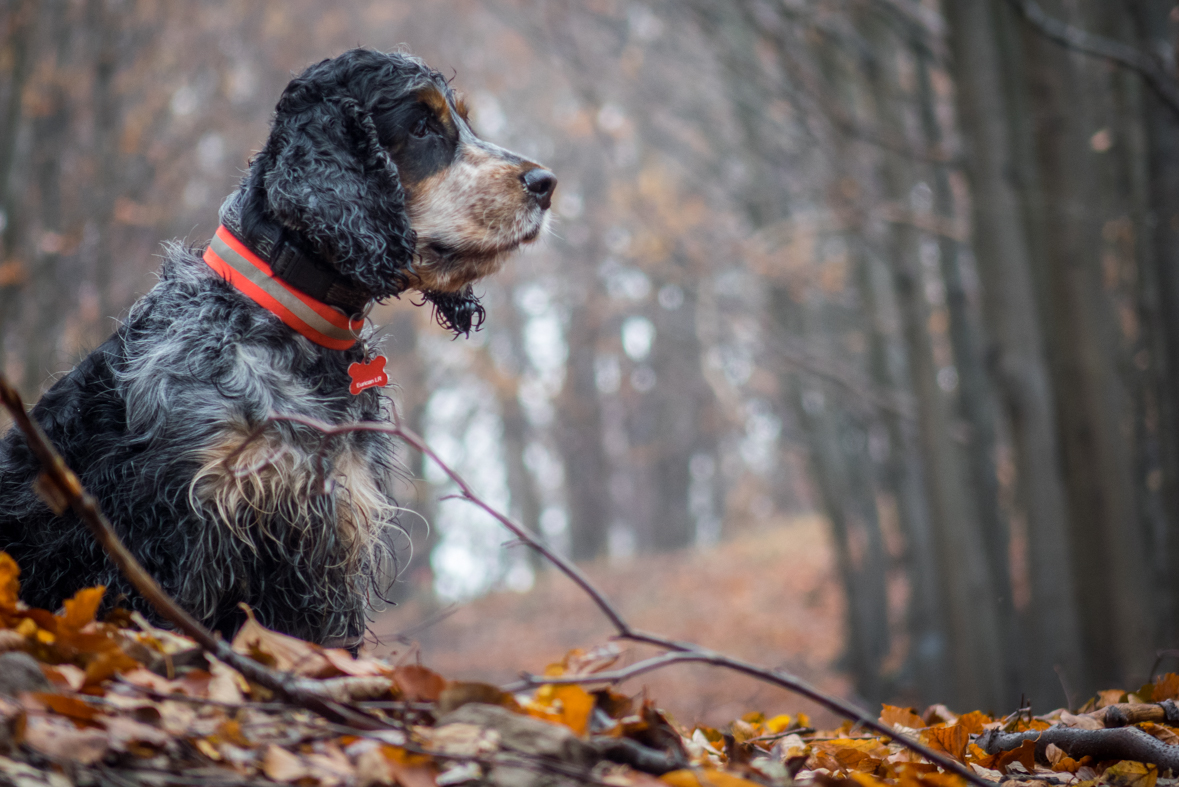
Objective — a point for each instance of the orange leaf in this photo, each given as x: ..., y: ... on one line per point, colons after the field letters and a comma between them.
x: 576, y: 706
x: 1025, y: 754
x: 952, y: 740
x: 80, y: 610
x: 9, y: 584
x: 866, y: 780
x: 974, y: 722
x: 905, y: 717
x: 1166, y: 687
x: 705, y: 778
x: 71, y: 707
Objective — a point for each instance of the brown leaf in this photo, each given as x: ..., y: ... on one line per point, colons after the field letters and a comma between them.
x: 1024, y: 754
x: 70, y: 707
x: 418, y: 684
x: 952, y: 740
x: 1110, y: 697
x: 459, y: 693
x: 1164, y: 734
x: 1166, y: 687
x: 283, y: 652
x: 904, y: 717
x: 126, y: 734
x: 373, y: 768
x: 410, y: 770
x: 282, y: 766
x: 59, y: 739
x: 356, y: 667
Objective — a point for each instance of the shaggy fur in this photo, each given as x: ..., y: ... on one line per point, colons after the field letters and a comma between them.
x: 372, y: 171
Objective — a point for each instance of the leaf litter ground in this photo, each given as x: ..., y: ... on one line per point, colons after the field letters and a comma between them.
x: 119, y: 702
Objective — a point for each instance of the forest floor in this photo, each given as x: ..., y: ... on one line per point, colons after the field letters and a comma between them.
x: 770, y: 596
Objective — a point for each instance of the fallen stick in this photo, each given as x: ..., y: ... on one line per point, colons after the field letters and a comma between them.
x: 1122, y: 743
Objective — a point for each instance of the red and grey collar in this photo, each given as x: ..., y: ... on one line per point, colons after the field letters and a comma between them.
x: 254, y: 277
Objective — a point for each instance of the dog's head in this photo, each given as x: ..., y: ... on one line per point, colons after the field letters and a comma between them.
x: 372, y: 162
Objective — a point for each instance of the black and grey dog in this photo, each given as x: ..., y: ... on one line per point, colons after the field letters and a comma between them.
x: 371, y: 183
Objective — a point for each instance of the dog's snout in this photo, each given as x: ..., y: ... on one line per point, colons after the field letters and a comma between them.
x: 540, y: 184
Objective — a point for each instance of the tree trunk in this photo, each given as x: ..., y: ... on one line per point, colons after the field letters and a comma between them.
x: 1003, y: 261
x: 1075, y: 192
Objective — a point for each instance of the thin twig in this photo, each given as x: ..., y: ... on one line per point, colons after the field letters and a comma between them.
x: 1071, y: 37
x: 68, y: 488
x: 682, y: 652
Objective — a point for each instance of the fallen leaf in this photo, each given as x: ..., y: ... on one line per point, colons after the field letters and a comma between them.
x: 1024, y: 754
x: 1160, y: 732
x: 974, y: 722
x: 705, y: 778
x: 70, y: 707
x: 418, y: 684
x: 903, y: 717
x: 282, y: 766
x: 280, y: 651
x: 1166, y: 687
x: 1130, y: 774
x: 9, y: 583
x: 1083, y: 721
x: 59, y: 739
x: 952, y: 740
x: 1110, y: 697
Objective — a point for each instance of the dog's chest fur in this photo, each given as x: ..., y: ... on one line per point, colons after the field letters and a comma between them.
x: 156, y: 423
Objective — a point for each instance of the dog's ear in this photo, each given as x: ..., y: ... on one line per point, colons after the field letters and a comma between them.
x: 325, y: 175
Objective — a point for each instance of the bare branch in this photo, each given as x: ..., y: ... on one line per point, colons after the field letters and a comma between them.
x: 1149, y: 68
x: 684, y: 653
x: 681, y: 651
x: 68, y: 488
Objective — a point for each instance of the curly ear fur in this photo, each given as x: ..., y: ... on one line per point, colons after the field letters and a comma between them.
x: 325, y: 175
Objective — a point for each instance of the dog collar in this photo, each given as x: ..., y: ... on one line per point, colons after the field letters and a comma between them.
x: 254, y: 278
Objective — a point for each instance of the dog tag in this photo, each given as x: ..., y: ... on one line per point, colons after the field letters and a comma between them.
x: 368, y: 375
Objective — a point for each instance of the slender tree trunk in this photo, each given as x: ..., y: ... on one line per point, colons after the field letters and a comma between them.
x: 1157, y: 32
x: 1077, y: 190
x: 580, y: 430
x: 928, y: 676
x: 1003, y: 261
x: 975, y: 395
x: 842, y: 471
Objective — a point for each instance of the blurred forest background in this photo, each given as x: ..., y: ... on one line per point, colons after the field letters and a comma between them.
x: 908, y: 266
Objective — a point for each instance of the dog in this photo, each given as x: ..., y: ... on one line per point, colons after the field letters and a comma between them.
x: 371, y: 184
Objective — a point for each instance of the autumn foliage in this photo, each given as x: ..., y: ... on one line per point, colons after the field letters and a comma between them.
x: 81, y: 696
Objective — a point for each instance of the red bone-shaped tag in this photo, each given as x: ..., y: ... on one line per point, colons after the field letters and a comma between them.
x: 367, y: 375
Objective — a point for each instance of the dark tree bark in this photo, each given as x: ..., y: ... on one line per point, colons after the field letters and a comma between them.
x: 1075, y: 190
x: 1018, y: 362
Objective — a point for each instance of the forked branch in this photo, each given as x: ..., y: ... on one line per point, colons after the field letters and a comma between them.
x: 680, y: 652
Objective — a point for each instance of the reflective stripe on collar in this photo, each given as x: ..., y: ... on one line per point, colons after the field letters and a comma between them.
x: 246, y: 271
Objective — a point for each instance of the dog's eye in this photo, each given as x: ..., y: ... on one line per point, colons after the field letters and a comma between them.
x: 421, y: 129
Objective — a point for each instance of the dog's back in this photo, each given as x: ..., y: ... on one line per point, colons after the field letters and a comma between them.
x: 153, y: 420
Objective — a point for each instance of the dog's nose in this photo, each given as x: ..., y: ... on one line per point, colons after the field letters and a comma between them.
x: 540, y: 184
